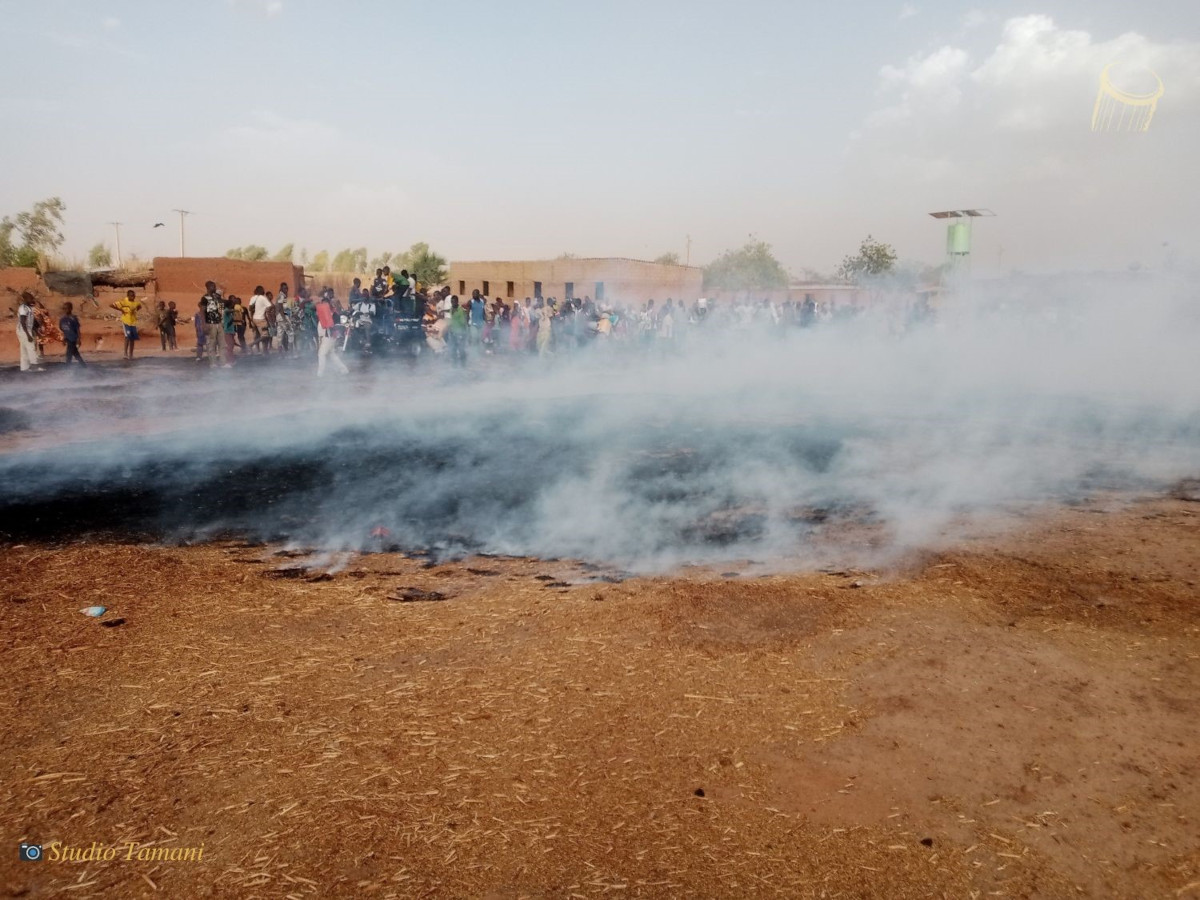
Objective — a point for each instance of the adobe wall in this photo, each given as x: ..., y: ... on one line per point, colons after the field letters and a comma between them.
x: 833, y: 296
x: 624, y: 280
x: 15, y: 279
x: 182, y: 278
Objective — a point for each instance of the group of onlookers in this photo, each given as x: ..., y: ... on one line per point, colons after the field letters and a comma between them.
x: 35, y: 328
x: 395, y: 310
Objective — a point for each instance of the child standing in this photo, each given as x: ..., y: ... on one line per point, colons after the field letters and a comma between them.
x: 160, y: 319
x: 201, y: 338
x: 229, y: 327
x: 128, y: 308
x: 172, y: 321
x: 68, y: 324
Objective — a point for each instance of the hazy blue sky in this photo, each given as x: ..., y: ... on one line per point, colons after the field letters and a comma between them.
x: 528, y: 129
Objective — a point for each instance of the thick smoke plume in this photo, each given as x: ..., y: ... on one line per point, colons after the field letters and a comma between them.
x: 847, y: 442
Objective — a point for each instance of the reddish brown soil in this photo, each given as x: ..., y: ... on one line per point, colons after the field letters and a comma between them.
x: 1015, y: 717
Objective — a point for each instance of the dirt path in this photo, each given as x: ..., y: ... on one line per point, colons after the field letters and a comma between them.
x: 1015, y: 717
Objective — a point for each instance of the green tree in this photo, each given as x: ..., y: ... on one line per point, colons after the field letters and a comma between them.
x: 358, y: 261
x: 7, y: 250
x: 752, y: 267
x: 33, y: 233
x: 667, y: 259
x: 284, y: 254
x: 343, y: 261
x: 320, y: 262
x: 873, y: 260
x: 40, y: 228
x: 249, y: 253
x: 383, y: 259
x: 422, y: 263
x: 99, y: 257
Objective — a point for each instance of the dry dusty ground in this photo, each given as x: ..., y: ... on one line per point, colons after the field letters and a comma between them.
x: 1015, y: 717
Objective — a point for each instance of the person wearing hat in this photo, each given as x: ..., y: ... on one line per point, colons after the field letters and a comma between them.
x: 25, y: 340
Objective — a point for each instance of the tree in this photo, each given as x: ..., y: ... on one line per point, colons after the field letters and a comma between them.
x: 343, y: 261
x: 358, y: 260
x: 249, y: 253
x: 39, y: 232
x: 40, y: 227
x: 284, y: 254
x: 752, y: 267
x: 304, y: 256
x: 7, y: 250
x: 873, y: 260
x: 99, y: 257
x: 816, y: 275
x: 668, y: 259
x: 383, y: 259
x: 320, y: 262
x: 423, y: 264
x: 566, y: 256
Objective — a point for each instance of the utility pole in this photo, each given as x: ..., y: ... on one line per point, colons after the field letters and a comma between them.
x: 689, y: 250
x: 117, y: 230
x: 182, y: 213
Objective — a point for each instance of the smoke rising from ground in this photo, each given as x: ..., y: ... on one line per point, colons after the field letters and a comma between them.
x: 848, y: 442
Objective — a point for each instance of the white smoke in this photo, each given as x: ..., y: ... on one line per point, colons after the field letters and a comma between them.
x: 847, y: 442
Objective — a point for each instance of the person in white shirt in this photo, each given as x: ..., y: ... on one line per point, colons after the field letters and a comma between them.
x: 25, y: 339
x: 259, y: 304
x: 666, y: 322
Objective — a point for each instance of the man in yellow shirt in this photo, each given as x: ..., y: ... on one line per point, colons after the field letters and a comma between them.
x: 128, y: 308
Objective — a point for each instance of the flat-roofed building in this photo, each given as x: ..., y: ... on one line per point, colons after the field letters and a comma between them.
x: 604, y: 279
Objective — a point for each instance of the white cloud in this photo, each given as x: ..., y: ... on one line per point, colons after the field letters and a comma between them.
x: 926, y: 84
x: 1038, y: 77
x: 975, y: 18
x: 1011, y: 128
x: 269, y: 8
x: 908, y: 10
x: 110, y: 23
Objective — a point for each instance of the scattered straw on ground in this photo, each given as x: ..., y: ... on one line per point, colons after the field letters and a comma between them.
x: 834, y: 735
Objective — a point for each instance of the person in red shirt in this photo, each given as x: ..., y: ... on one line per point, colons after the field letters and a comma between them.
x: 327, y: 344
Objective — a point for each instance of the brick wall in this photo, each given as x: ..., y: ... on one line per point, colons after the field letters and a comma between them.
x: 625, y: 280
x: 182, y: 278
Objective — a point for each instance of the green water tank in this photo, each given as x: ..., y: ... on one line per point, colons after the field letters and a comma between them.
x: 958, y: 239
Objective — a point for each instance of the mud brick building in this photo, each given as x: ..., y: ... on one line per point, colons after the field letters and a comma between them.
x: 182, y: 278
x: 605, y: 279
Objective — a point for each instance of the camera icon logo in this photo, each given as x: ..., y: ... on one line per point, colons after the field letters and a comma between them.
x: 31, y: 852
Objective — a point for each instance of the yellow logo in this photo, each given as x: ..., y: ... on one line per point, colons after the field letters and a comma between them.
x: 1127, y: 98
x: 129, y: 850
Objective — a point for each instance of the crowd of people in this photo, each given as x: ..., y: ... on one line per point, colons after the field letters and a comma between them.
x: 395, y: 314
